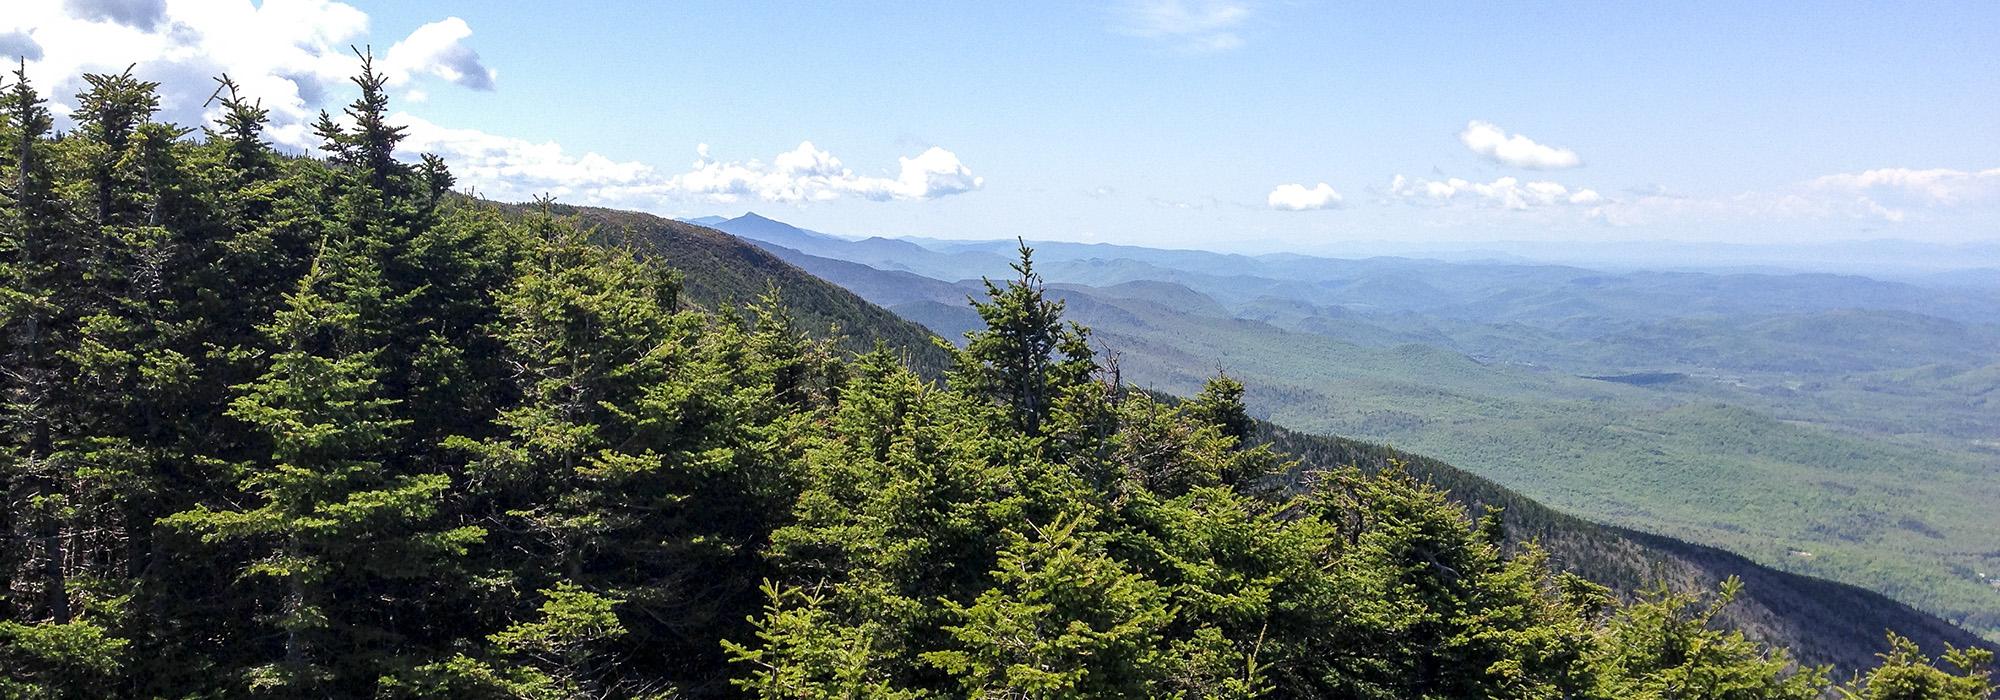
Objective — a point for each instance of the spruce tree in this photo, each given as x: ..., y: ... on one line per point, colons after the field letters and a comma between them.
x: 331, y: 519
x: 35, y: 301
x: 1026, y: 356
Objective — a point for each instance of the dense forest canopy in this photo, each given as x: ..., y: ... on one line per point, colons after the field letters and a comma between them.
x: 307, y: 427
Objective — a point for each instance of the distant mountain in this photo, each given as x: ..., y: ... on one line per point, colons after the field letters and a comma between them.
x: 1979, y: 277
x: 723, y: 270
x: 1826, y: 622
x: 1837, y: 425
x: 880, y: 253
x: 709, y: 221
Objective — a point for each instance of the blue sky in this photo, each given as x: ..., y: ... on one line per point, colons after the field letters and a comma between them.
x: 1168, y: 122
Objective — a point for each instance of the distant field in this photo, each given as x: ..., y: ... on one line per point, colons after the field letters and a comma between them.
x: 1904, y: 517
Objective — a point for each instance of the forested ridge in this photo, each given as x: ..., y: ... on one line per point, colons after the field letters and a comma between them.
x: 322, y: 428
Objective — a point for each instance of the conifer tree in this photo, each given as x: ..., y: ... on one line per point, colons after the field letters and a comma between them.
x: 35, y: 502
x: 1026, y: 356
x: 371, y: 146
x: 331, y: 518
x: 1220, y: 404
x: 1063, y: 621
x: 1906, y: 674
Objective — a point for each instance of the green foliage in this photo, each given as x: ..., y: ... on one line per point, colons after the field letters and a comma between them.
x: 1025, y: 355
x: 1666, y: 647
x: 285, y: 427
x: 559, y: 655
x: 1906, y: 674
x: 1062, y: 620
x: 58, y: 660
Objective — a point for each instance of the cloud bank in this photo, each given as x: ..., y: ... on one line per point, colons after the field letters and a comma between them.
x: 294, y: 57
x: 507, y: 168
x: 287, y: 54
x: 1506, y: 193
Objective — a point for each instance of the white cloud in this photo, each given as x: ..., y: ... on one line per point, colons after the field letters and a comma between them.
x: 287, y: 54
x: 1752, y: 207
x: 1299, y: 198
x: 1887, y: 195
x: 438, y: 49
x: 1194, y: 25
x: 808, y: 174
x: 293, y: 56
x: 1933, y: 187
x: 1489, y: 140
x: 1504, y: 193
x: 512, y: 169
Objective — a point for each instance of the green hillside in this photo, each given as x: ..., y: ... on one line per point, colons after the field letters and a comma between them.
x: 720, y: 271
x: 1788, y: 479
x: 1801, y: 497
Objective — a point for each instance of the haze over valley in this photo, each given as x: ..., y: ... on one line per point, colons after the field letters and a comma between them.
x: 1836, y: 425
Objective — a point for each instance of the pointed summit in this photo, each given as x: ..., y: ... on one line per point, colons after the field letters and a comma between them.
x: 758, y: 227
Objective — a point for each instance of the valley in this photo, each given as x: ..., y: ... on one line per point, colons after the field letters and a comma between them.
x: 1832, y: 425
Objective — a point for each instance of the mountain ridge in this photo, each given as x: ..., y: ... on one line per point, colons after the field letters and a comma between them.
x: 1778, y: 606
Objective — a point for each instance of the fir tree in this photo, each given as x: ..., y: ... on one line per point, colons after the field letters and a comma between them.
x: 1026, y: 356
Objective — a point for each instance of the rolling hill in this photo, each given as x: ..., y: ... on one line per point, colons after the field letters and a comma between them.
x: 1805, y: 432
x: 1826, y: 622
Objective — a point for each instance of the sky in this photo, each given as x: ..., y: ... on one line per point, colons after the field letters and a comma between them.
x: 1222, y: 124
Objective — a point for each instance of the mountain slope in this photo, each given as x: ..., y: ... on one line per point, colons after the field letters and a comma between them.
x: 1831, y: 425
x: 1822, y: 621
x: 723, y: 270
x: 1825, y: 622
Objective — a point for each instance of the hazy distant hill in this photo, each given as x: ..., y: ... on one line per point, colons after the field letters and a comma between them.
x: 1829, y: 424
x: 881, y: 253
x: 1827, y: 622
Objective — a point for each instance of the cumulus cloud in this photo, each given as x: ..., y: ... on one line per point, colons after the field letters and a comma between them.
x: 439, y: 49
x: 1195, y: 25
x: 808, y: 174
x: 293, y: 56
x: 287, y: 54
x: 143, y: 15
x: 507, y: 168
x: 1495, y: 144
x: 1504, y: 193
x: 1300, y: 198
